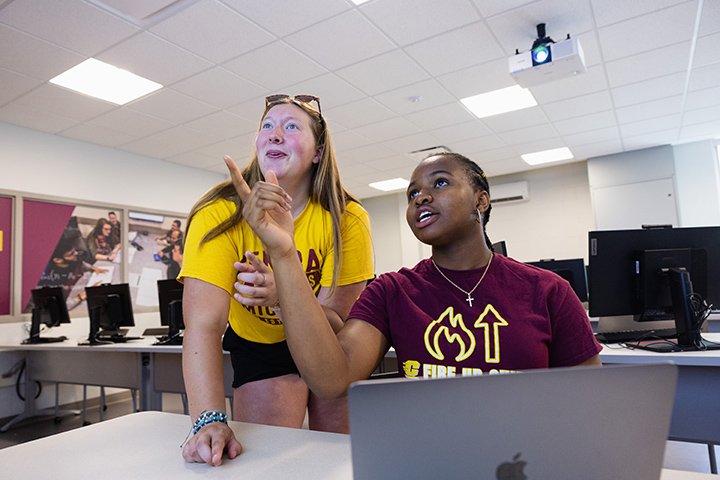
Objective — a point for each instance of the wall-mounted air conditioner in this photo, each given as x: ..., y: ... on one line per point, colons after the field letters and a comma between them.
x: 509, y: 192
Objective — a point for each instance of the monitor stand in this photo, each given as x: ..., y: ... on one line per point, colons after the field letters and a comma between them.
x: 35, y: 337
x: 175, y: 321
x: 93, y: 339
x: 687, y: 325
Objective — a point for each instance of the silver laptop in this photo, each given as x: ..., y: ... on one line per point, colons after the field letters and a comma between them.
x: 575, y: 423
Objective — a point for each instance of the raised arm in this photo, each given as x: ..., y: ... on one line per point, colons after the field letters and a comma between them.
x: 309, y: 322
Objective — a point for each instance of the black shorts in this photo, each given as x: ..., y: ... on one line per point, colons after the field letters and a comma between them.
x: 253, y: 361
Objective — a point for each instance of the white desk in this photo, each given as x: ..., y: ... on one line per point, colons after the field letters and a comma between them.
x: 146, y: 445
x: 696, y: 413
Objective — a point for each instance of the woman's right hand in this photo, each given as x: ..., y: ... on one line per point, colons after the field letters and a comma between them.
x: 208, y: 445
x: 266, y: 208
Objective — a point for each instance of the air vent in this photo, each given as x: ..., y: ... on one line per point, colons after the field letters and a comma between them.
x: 509, y: 192
x: 423, y: 153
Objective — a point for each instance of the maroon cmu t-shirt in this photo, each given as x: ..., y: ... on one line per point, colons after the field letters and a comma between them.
x: 521, y: 317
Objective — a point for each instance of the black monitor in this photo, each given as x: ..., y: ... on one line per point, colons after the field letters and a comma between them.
x: 500, y: 247
x: 657, y: 274
x: 109, y: 308
x: 572, y: 270
x: 170, y: 293
x: 48, y: 309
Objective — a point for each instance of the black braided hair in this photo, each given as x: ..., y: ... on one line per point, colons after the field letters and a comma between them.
x: 478, y: 180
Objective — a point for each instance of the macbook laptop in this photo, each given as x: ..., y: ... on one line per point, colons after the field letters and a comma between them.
x: 591, y: 423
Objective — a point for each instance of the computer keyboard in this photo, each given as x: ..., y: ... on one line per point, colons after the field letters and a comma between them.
x: 635, y: 335
x: 155, y: 332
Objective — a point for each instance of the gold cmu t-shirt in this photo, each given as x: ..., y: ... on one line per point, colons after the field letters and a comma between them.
x: 213, y: 261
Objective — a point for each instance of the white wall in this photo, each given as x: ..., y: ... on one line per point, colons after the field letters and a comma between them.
x: 697, y: 173
x: 36, y: 162
x: 552, y: 224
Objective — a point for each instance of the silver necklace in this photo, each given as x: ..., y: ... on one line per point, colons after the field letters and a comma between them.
x: 469, y: 298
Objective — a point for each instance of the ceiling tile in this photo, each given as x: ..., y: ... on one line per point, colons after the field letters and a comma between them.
x: 135, y: 124
x: 436, y: 117
x: 283, y: 17
x: 478, y: 79
x: 592, y: 136
x: 384, y: 72
x: 709, y: 18
x: 701, y: 115
x: 647, y: 65
x: 172, y: 106
x: 648, y: 32
x: 98, y: 135
x: 705, y: 77
x: 212, y: 30
x: 35, y: 58
x: 154, y: 58
x: 578, y: 106
x: 14, y: 85
x: 648, y: 90
x: 263, y: 66
x: 65, y: 103
x: 488, y: 8
x: 477, y: 144
x: 223, y: 124
x: 458, y: 49
x: 530, y: 134
x: 408, y: 21
x: 358, y: 113
x: 614, y: 11
x: 35, y: 118
x: 589, y: 82
x: 168, y: 143
x: 416, y: 97
x: 219, y: 87
x: 706, y: 50
x: 702, y: 98
x: 331, y: 89
x: 651, y: 139
x: 84, y: 29
x: 586, y: 123
x: 461, y: 131
x: 412, y: 143
x: 527, y: 117
x: 652, y: 109
x: 354, y: 39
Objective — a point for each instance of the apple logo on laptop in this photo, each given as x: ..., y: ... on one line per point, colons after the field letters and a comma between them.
x: 512, y: 470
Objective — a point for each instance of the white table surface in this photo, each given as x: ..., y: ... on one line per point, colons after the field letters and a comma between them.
x: 146, y: 445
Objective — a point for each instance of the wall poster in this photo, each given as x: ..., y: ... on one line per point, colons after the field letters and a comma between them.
x: 69, y: 246
x: 6, y: 237
x: 155, y: 253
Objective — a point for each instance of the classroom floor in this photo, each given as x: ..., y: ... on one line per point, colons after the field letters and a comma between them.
x: 678, y: 455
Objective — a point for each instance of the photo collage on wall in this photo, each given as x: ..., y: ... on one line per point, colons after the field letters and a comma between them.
x: 155, y: 246
x: 69, y: 246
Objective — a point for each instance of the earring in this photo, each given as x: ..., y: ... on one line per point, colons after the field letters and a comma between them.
x: 479, y: 215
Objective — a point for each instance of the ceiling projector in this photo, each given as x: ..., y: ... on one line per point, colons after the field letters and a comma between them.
x: 547, y: 60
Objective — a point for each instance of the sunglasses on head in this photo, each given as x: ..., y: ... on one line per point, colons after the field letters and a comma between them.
x: 283, y: 98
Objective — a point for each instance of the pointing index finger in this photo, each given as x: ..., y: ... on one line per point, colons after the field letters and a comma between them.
x: 241, y: 186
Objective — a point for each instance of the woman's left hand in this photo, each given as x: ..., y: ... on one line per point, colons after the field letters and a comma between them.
x: 256, y: 283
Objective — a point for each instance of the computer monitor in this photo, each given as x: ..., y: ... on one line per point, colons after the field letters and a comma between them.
x: 656, y: 274
x: 48, y: 309
x: 573, y: 270
x: 109, y: 308
x: 170, y: 293
x: 500, y: 247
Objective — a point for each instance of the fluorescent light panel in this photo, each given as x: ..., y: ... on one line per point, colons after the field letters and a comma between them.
x: 359, y: 2
x: 390, y: 185
x: 499, y: 101
x: 106, y: 82
x: 547, y: 156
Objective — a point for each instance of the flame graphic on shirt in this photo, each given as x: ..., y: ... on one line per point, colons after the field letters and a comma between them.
x: 453, y: 329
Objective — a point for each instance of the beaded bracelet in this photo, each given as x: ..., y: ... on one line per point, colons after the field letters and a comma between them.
x: 206, y: 417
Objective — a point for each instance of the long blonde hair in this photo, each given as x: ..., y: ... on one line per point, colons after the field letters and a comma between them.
x: 326, y: 187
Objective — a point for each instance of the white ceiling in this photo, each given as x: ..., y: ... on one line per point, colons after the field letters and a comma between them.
x: 653, y: 75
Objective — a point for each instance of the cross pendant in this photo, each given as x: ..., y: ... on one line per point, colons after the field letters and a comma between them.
x: 469, y: 299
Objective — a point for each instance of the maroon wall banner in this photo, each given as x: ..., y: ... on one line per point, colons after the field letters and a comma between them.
x: 6, y: 236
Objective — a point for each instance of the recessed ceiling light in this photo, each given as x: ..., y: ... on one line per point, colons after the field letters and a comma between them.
x: 499, y: 101
x: 106, y: 82
x: 547, y: 156
x: 390, y: 185
x: 359, y: 2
